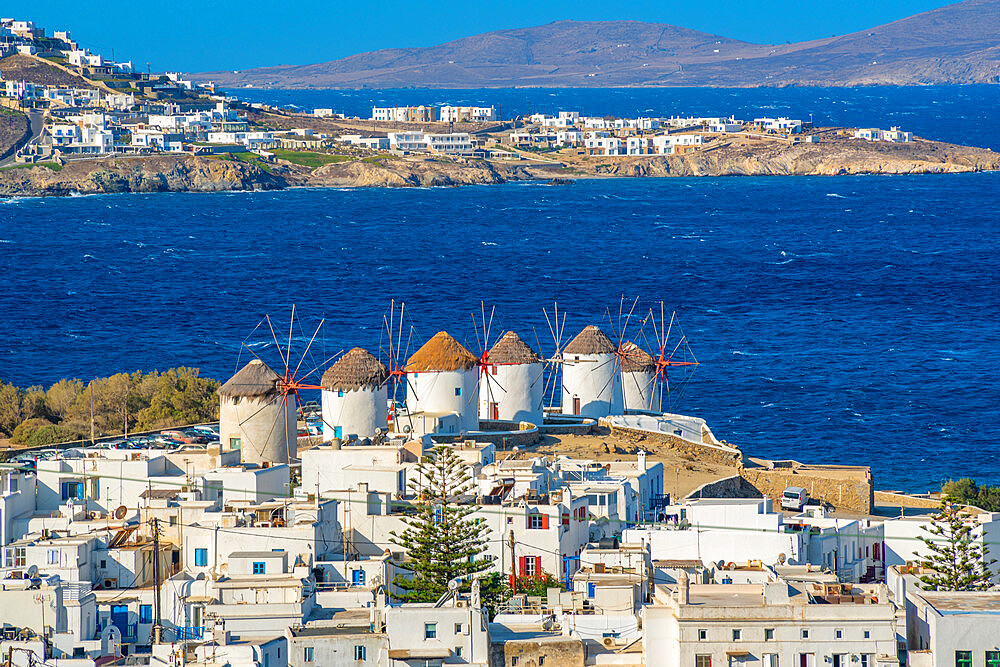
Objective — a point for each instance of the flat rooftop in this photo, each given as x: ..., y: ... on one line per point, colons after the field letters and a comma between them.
x: 963, y: 603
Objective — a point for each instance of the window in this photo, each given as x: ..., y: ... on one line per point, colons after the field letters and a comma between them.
x: 235, y: 443
x: 258, y: 567
x: 703, y: 661
x: 360, y: 653
x: 358, y: 577
x: 839, y: 660
x: 537, y: 521
x: 868, y: 634
x: 963, y: 658
x: 769, y: 659
x: 307, y: 653
x: 737, y: 634
x: 768, y: 634
x: 702, y: 634
x: 145, y: 613
x: 805, y: 634
x: 72, y: 490
x: 104, y: 564
x: 993, y: 659
x: 531, y: 566
x: 458, y: 628
x: 340, y: 393
x: 15, y: 557
x: 866, y: 660
x: 430, y: 630
x: 52, y: 557
x: 838, y: 634
x: 200, y: 557
x: 565, y: 518
x: 513, y: 661
x: 458, y: 391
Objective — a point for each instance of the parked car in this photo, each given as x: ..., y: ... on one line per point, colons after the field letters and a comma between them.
x: 794, y: 498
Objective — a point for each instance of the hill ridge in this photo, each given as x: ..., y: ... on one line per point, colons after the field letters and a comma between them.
x: 957, y: 43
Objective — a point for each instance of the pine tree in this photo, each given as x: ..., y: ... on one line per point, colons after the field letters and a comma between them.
x: 442, y: 541
x: 957, y: 562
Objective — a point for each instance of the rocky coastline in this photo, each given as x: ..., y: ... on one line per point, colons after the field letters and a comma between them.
x: 186, y: 173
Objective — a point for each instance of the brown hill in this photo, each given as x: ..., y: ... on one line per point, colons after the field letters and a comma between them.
x: 958, y: 43
x: 20, y: 67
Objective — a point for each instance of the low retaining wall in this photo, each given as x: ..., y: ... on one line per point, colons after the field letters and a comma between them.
x: 727, y: 487
x: 845, y: 487
x: 905, y: 500
x: 729, y: 456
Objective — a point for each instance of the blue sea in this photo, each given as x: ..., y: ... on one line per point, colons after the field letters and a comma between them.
x: 843, y: 320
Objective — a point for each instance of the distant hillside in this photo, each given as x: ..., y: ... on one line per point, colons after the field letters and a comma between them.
x: 959, y: 43
x: 37, y: 70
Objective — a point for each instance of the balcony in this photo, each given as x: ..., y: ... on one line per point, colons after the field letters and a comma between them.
x: 190, y: 633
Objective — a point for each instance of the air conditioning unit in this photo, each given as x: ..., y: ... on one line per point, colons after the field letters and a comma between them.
x: 110, y: 583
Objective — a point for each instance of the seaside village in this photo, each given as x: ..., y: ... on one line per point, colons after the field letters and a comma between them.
x: 265, y: 542
x: 84, y: 105
x: 269, y: 544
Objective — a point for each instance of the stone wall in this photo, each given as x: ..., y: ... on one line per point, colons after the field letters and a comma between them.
x: 725, y: 455
x: 845, y: 487
x: 557, y: 652
x: 727, y: 487
x: 905, y: 500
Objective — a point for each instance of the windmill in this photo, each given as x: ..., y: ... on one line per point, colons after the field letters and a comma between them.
x: 510, y: 372
x: 258, y: 405
x: 671, y: 350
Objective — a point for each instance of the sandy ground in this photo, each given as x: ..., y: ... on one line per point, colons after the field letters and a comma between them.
x: 681, y: 474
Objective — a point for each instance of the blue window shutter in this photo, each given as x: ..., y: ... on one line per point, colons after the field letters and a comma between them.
x: 200, y: 557
x: 591, y: 589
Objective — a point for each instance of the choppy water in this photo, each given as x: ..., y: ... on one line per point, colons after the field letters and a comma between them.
x: 837, y: 319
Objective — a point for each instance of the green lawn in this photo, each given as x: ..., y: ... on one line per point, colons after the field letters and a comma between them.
x: 308, y: 158
x: 54, y: 166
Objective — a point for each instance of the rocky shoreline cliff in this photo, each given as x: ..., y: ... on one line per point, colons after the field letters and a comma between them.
x: 183, y: 173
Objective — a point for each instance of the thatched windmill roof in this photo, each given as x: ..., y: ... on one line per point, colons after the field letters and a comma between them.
x: 255, y: 380
x: 634, y: 359
x: 590, y: 341
x: 441, y: 353
x: 510, y: 349
x: 356, y: 369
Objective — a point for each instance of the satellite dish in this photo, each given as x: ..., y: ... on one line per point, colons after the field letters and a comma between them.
x: 406, y: 428
x: 121, y: 512
x: 781, y: 558
x: 32, y: 572
x: 378, y: 431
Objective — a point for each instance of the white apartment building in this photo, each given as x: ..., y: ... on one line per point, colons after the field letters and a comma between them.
x: 452, y: 114
x: 781, y: 124
x: 670, y: 144
x: 903, y: 544
x: 775, y: 624
x: 457, y: 143
x: 893, y: 134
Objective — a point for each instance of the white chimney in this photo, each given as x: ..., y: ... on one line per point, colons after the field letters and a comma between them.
x: 641, y: 460
x: 683, y: 587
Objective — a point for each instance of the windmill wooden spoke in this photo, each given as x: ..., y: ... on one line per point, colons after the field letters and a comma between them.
x: 275, y: 337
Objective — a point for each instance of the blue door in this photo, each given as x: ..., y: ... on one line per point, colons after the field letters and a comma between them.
x: 338, y: 431
x: 119, y: 618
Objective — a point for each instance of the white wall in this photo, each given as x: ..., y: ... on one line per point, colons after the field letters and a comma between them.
x: 595, y: 379
x: 517, y: 391
x: 358, y: 412
x: 436, y: 392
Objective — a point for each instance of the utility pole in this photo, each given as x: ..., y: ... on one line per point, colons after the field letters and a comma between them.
x: 513, y: 562
x: 91, y: 392
x: 157, y: 627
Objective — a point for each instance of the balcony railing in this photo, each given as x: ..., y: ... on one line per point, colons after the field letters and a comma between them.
x: 190, y: 633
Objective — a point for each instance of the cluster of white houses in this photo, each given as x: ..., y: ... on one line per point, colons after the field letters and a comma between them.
x: 430, y: 114
x: 265, y: 555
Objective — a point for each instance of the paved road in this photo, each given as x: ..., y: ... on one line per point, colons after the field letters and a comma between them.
x: 35, y: 123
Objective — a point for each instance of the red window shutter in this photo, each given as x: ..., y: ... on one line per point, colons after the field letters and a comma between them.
x: 521, y: 565
x: 538, y: 567
x: 565, y: 518
x: 545, y: 521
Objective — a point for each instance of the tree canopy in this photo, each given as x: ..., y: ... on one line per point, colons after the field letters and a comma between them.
x: 966, y: 492
x: 956, y: 559
x: 442, y: 540
x: 135, y: 401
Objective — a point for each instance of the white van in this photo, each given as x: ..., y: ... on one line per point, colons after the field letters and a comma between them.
x: 794, y: 498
